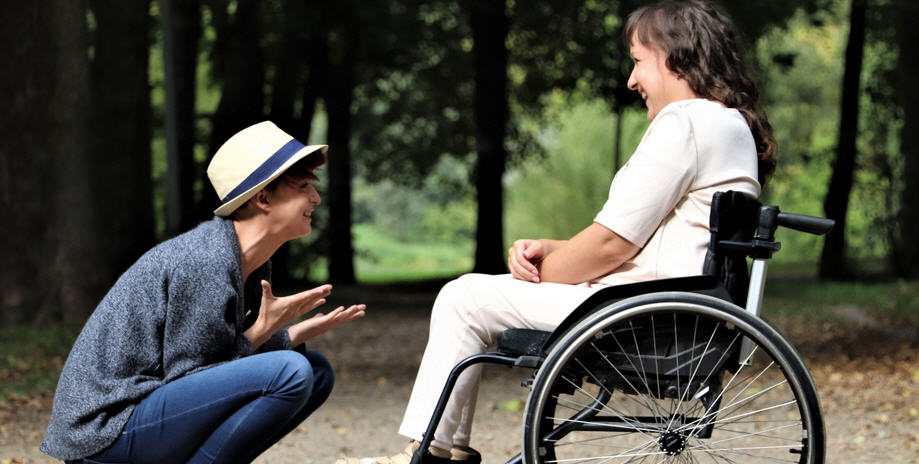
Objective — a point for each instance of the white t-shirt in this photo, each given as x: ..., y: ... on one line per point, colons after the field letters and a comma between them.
x: 660, y: 200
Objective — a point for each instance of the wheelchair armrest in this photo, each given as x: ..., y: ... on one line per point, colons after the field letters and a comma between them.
x: 522, y: 342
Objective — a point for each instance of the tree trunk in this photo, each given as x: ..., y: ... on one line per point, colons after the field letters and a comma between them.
x: 836, y: 204
x: 120, y: 132
x: 238, y: 61
x: 181, y: 30
x: 316, y: 64
x: 317, y: 59
x: 489, y: 31
x: 48, y: 268
x: 289, y: 68
x: 906, y: 245
x: 338, y: 97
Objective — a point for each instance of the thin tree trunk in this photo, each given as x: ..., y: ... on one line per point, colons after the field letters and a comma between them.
x: 181, y: 31
x: 836, y: 203
x: 339, y: 94
x: 906, y: 245
x: 48, y: 267
x: 338, y: 106
x: 489, y: 31
x: 317, y: 59
x: 238, y: 61
x: 289, y: 68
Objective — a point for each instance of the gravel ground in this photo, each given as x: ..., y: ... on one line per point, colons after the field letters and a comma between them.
x: 867, y: 375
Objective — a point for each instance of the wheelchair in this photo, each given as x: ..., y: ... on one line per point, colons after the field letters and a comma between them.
x: 673, y: 370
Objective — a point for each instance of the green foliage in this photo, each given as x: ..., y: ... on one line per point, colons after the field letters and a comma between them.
x: 565, y: 44
x: 419, y: 108
x: 409, y: 117
x: 804, y: 111
x: 402, y: 233
x: 397, y: 229
x: 431, y: 211
x: 560, y: 195
x: 798, y: 188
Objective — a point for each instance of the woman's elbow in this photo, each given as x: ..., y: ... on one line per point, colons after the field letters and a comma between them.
x: 616, y: 250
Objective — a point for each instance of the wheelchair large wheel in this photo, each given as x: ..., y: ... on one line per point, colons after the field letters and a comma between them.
x: 669, y: 377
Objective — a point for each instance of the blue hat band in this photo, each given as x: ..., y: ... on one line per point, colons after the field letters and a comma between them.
x: 266, y: 169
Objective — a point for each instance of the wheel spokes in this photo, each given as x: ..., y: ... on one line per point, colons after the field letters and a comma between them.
x: 754, y: 416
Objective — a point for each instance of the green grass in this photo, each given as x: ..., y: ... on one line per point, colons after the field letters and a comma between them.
x: 31, y: 358
x: 382, y: 258
x: 894, y: 302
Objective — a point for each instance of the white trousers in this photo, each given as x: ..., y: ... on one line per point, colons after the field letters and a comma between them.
x: 468, y: 316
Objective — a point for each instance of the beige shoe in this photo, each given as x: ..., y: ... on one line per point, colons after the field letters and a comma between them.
x: 434, y: 455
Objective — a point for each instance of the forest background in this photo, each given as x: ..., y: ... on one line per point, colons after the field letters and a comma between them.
x: 455, y: 127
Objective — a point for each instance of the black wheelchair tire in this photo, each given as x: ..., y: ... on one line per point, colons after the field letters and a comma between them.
x: 664, y: 441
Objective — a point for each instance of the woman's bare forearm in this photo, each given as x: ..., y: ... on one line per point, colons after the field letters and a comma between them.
x: 593, y: 253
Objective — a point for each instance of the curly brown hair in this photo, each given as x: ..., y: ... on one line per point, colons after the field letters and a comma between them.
x: 701, y: 47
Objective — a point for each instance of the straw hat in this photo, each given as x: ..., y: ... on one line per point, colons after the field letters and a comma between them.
x: 250, y: 159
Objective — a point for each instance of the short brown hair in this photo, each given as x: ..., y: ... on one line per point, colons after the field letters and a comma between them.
x: 303, y: 169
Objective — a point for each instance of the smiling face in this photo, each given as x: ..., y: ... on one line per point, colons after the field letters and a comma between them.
x: 650, y: 77
x: 292, y: 204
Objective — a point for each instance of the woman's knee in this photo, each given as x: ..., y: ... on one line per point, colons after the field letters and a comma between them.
x: 449, y: 304
x: 323, y: 374
x: 467, y: 305
x: 466, y: 296
x: 460, y: 292
x: 292, y: 374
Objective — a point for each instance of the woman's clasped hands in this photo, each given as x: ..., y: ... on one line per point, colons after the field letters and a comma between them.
x: 523, y: 259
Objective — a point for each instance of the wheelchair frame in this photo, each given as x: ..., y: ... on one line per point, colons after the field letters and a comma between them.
x: 741, y: 228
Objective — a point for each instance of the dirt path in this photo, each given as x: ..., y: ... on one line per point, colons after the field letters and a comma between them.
x: 867, y: 376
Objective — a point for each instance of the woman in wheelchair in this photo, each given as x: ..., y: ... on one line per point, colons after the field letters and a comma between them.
x: 706, y: 134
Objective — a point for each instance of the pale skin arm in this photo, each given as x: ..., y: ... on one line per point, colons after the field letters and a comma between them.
x: 322, y: 323
x: 277, y: 312
x: 594, y: 252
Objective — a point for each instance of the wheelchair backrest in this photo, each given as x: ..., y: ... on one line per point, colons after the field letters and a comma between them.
x: 734, y: 217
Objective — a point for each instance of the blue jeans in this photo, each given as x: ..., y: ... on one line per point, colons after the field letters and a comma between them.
x: 229, y: 413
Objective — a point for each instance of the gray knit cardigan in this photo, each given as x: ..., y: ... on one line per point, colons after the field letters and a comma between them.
x: 179, y: 309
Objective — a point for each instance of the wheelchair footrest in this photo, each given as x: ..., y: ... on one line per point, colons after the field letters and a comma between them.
x: 522, y: 342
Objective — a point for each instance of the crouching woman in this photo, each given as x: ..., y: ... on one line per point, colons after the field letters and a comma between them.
x: 190, y: 357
